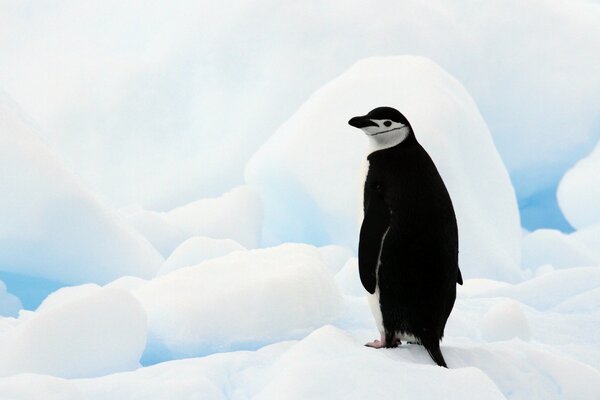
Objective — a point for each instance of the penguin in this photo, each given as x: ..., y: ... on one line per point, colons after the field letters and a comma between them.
x: 408, y: 243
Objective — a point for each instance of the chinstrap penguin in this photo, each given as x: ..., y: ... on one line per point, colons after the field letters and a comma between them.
x: 408, y: 245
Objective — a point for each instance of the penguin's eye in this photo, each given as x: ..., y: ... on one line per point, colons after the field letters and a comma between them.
x: 387, y: 123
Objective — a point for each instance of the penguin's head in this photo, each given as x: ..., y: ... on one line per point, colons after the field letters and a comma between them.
x: 385, y: 126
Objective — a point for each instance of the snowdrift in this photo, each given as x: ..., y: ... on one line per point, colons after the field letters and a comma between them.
x: 51, y: 227
x: 579, y: 191
x: 330, y: 364
x: 197, y: 249
x: 235, y: 215
x: 243, y: 300
x: 77, y: 332
x: 308, y: 172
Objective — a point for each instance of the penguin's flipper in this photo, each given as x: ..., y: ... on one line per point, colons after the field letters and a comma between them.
x: 372, y: 231
x: 459, y: 278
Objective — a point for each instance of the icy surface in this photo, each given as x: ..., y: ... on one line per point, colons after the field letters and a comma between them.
x: 51, y: 227
x: 236, y: 215
x: 163, y: 235
x: 335, y: 257
x: 533, y: 340
x: 9, y: 303
x: 76, y: 332
x: 560, y: 250
x: 323, y: 365
x: 240, y: 301
x: 169, y: 112
x: 309, y: 172
x: 151, y: 110
x: 579, y: 191
x: 197, y: 249
x: 505, y: 321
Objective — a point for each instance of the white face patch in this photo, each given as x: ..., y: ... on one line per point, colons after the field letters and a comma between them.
x: 386, y: 134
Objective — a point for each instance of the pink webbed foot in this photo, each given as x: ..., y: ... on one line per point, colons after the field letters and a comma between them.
x: 376, y: 344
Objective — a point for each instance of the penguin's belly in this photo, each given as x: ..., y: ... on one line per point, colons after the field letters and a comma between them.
x: 373, y: 299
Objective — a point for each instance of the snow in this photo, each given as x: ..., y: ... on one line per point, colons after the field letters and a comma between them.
x: 9, y: 303
x: 335, y: 257
x: 550, y: 289
x: 76, y: 332
x: 505, y: 321
x: 163, y: 235
x: 532, y: 340
x: 127, y: 297
x: 552, y: 247
x: 51, y: 227
x: 348, y: 279
x: 308, y: 172
x: 324, y: 363
x: 239, y: 301
x: 196, y: 250
x: 235, y: 215
x: 170, y: 111
x: 579, y: 191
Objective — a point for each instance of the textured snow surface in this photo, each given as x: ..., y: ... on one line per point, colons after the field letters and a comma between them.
x: 76, y: 332
x: 170, y: 111
x: 547, y: 247
x: 236, y: 215
x: 242, y: 300
x: 505, y: 321
x: 309, y: 172
x: 51, y: 227
x: 194, y: 305
x: 579, y: 191
x: 533, y: 340
x: 331, y: 364
x: 9, y: 303
x: 197, y: 249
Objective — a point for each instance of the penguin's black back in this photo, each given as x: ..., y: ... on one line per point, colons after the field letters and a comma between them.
x: 407, y: 203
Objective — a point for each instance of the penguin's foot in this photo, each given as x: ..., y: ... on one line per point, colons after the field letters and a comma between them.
x: 377, y: 344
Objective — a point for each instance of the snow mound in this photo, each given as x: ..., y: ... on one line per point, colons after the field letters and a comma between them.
x: 9, y: 303
x: 36, y: 387
x: 77, y: 332
x: 328, y: 358
x: 163, y: 235
x: 522, y: 371
x: 335, y: 257
x: 321, y: 366
x: 235, y: 215
x: 348, y: 279
x: 588, y: 301
x: 239, y: 301
x: 473, y: 287
x: 550, y: 289
x: 505, y: 321
x: 196, y: 250
x: 547, y: 246
x: 308, y: 173
x: 51, y: 227
x: 579, y: 191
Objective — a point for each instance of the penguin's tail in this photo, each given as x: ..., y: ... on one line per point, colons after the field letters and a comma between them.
x: 432, y: 346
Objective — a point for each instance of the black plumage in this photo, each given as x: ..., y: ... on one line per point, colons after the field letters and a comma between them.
x: 409, y: 243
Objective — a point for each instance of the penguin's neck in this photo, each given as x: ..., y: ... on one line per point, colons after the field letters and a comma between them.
x: 387, y: 142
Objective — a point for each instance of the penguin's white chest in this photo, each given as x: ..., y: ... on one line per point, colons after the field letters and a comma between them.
x: 373, y: 299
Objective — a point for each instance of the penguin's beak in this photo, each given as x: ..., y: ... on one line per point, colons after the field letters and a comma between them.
x: 361, y: 122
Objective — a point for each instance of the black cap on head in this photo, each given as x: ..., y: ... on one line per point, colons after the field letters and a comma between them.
x: 378, y: 113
